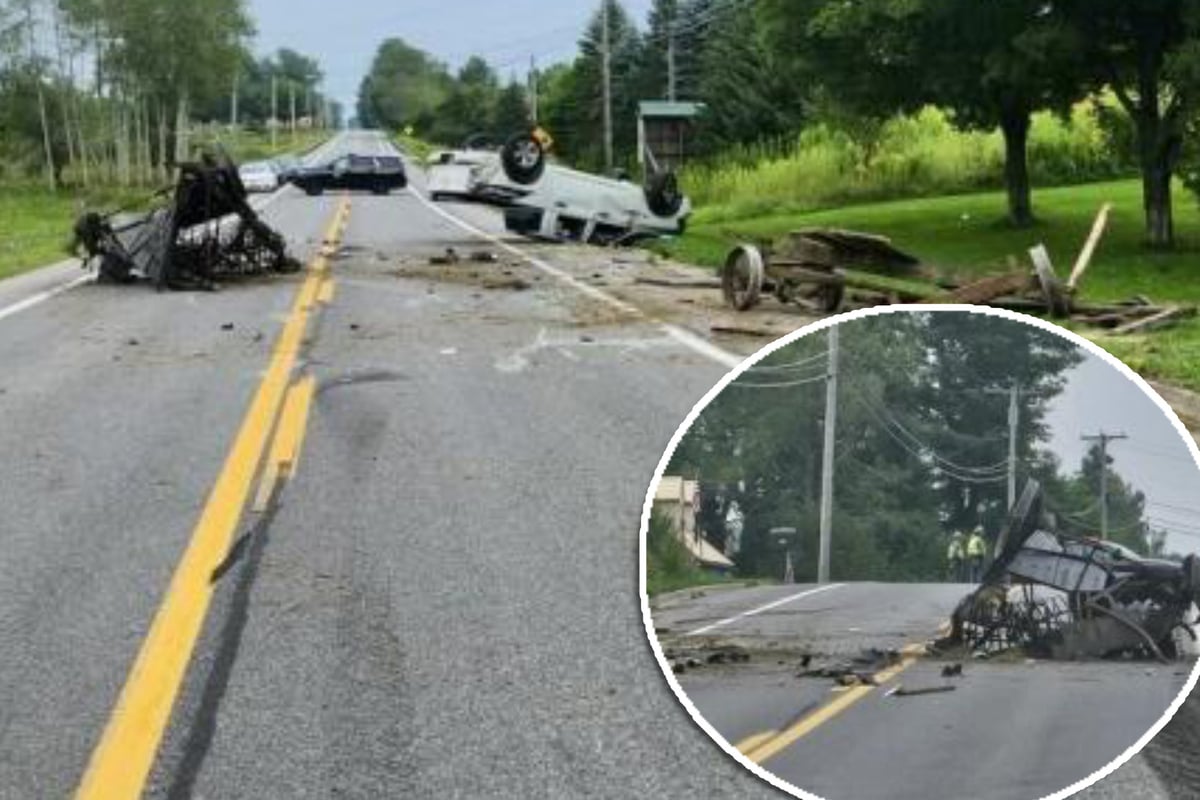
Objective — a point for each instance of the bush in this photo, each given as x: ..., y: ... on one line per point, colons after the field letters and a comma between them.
x: 922, y: 154
x: 669, y: 566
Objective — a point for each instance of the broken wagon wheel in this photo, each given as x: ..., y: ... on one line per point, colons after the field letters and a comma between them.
x: 742, y: 277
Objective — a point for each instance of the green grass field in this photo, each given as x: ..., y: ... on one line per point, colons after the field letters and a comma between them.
x: 963, y: 236
x: 36, y: 223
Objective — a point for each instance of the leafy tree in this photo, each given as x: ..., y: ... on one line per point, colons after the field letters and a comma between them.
x: 404, y: 86
x: 1148, y: 52
x: 992, y: 64
x: 912, y: 398
x: 511, y: 112
x: 587, y: 100
x: 746, y: 95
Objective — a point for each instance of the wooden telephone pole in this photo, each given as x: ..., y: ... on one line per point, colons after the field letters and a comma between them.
x: 1104, y: 438
x: 606, y: 71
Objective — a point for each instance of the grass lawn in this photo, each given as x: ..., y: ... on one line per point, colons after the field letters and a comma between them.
x: 961, y: 236
x: 256, y: 146
x: 35, y: 224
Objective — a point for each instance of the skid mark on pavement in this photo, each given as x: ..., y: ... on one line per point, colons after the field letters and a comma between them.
x: 121, y: 762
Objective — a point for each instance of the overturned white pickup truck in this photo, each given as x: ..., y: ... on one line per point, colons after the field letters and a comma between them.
x: 547, y: 201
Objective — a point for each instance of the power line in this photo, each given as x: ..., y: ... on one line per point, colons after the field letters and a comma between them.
x: 1184, y: 509
x: 791, y: 365
x: 782, y: 385
x: 913, y: 441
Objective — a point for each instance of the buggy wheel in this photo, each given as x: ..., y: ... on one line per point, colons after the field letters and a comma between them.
x: 663, y: 195
x: 742, y: 277
x: 523, y: 159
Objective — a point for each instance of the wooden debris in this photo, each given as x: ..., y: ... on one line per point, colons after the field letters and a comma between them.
x: 680, y: 283
x: 1089, y: 247
x: 1158, y: 319
x: 1058, y: 302
x: 987, y: 289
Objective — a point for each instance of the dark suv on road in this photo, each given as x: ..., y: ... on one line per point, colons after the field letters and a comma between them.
x: 376, y: 174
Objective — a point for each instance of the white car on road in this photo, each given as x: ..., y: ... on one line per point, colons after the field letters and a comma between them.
x: 548, y: 201
x: 259, y: 176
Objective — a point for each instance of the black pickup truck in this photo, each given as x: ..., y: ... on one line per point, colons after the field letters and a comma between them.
x: 376, y: 174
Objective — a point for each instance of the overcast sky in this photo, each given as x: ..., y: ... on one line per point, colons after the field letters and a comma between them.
x: 1154, y: 458
x: 344, y: 35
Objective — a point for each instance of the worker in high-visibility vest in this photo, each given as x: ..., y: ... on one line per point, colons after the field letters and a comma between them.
x: 956, y: 553
x: 976, y: 552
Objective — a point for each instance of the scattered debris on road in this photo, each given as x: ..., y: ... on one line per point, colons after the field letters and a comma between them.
x: 860, y: 670
x: 207, y: 232
x: 1050, y: 595
x: 682, y: 660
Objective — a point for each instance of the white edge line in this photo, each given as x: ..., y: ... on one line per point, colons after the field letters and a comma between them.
x: 817, y: 327
x: 685, y: 337
x: 752, y: 612
x: 41, y: 297
x: 48, y: 294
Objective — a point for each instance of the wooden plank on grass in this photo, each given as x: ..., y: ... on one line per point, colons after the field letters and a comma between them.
x: 1168, y: 316
x: 1089, y: 247
x: 987, y: 289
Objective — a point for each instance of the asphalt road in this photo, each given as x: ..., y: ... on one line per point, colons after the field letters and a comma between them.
x: 442, y: 601
x: 1006, y: 731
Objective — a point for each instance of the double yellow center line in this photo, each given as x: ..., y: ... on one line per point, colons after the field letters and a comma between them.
x: 763, y: 746
x: 122, y: 760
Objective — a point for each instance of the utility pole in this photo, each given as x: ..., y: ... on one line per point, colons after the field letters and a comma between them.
x: 606, y: 70
x: 1014, y: 393
x: 274, y: 109
x: 292, y: 102
x: 831, y: 382
x: 534, y: 90
x: 1104, y: 438
x: 1013, y: 420
x: 671, y: 75
x: 233, y: 109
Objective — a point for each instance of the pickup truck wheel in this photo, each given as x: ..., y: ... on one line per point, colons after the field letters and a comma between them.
x: 314, y: 191
x: 523, y: 159
x: 663, y: 195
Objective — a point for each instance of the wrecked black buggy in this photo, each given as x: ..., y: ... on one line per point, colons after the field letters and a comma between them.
x: 207, y: 232
x: 1050, y: 595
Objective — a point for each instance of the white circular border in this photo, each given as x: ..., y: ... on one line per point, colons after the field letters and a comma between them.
x: 817, y: 327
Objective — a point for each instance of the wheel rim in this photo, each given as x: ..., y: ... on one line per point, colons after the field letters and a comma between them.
x: 743, y: 277
x: 527, y: 154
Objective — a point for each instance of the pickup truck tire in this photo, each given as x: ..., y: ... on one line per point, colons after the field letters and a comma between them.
x: 663, y: 195
x: 523, y: 159
x: 314, y: 191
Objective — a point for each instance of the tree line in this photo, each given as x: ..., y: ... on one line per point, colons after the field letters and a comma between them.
x: 109, y: 91
x: 921, y: 448
x: 767, y: 69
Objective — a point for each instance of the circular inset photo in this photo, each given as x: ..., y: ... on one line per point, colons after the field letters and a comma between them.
x: 931, y: 552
